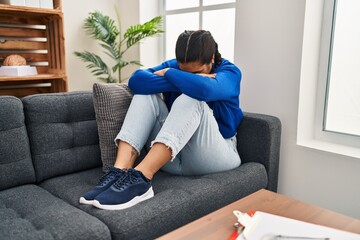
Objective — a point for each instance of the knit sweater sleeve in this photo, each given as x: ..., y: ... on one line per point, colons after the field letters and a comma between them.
x: 144, y: 81
x: 224, y: 86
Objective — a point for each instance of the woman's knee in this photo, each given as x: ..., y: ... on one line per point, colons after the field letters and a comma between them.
x: 145, y: 99
x: 152, y: 101
x: 140, y: 97
x: 186, y: 101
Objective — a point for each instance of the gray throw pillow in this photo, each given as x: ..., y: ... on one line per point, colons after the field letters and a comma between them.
x: 111, y: 102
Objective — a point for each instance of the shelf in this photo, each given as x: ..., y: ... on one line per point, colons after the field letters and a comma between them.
x: 32, y: 77
x: 37, y: 34
x: 29, y: 10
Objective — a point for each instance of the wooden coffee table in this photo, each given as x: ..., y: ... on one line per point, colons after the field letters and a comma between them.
x: 219, y: 224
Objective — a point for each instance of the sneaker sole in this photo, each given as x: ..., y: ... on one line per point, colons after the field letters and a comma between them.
x: 149, y: 194
x: 84, y: 201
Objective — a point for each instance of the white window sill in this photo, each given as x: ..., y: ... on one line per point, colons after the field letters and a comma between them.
x: 330, y: 147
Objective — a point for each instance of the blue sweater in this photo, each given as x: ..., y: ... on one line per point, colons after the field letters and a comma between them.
x: 220, y: 93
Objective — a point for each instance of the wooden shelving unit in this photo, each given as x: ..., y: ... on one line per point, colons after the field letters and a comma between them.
x: 38, y: 35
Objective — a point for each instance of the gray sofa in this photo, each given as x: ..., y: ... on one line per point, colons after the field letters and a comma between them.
x: 50, y: 156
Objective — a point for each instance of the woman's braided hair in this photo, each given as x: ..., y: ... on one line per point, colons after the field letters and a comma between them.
x: 192, y: 46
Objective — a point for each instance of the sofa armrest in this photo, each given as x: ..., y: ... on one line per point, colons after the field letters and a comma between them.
x: 258, y: 139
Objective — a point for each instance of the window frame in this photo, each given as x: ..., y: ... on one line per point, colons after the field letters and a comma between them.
x: 328, y: 33
x: 200, y: 9
x: 318, y: 27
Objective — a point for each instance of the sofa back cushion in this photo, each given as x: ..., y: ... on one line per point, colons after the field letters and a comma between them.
x: 16, y: 167
x: 63, y: 133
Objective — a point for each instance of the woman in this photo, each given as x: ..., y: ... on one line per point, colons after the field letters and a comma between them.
x: 191, y: 129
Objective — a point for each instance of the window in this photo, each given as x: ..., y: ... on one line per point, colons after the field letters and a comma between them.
x: 342, y: 109
x: 329, y: 114
x: 216, y: 16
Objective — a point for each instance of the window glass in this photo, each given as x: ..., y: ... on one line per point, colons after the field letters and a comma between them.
x: 342, y: 112
x: 176, y: 24
x: 223, y: 30
x: 213, y: 2
x: 179, y: 4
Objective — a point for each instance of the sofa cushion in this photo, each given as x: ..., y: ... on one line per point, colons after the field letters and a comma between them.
x: 177, y: 201
x: 111, y: 102
x: 16, y: 166
x: 29, y: 212
x: 63, y: 133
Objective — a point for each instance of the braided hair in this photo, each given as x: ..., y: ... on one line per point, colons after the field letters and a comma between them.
x: 193, y: 46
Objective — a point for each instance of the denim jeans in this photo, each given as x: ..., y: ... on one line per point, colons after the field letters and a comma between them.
x: 189, y: 130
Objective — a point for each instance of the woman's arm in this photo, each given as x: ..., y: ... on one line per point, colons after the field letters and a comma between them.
x: 225, y: 84
x: 144, y: 81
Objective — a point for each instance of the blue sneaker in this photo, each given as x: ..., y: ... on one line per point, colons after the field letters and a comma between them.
x: 104, y: 183
x: 125, y: 192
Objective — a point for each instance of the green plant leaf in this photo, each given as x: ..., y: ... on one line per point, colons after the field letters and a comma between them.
x: 135, y: 62
x: 96, y: 64
x: 112, y: 50
x: 122, y: 64
x: 101, y: 27
x: 136, y: 33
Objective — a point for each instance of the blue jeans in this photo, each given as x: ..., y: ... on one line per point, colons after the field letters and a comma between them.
x: 189, y: 130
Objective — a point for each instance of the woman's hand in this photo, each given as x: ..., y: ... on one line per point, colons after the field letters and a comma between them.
x: 210, y: 75
x: 161, y: 72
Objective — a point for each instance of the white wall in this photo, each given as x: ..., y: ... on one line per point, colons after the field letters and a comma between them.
x: 151, y: 49
x: 268, y: 50
x: 129, y: 11
x: 75, y: 12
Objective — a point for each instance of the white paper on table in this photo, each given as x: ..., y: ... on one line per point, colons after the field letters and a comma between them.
x: 265, y: 226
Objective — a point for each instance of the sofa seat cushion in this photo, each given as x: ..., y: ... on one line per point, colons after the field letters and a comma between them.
x: 177, y: 201
x: 30, y: 212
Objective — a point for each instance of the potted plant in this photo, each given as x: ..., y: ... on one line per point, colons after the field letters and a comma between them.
x: 103, y: 29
